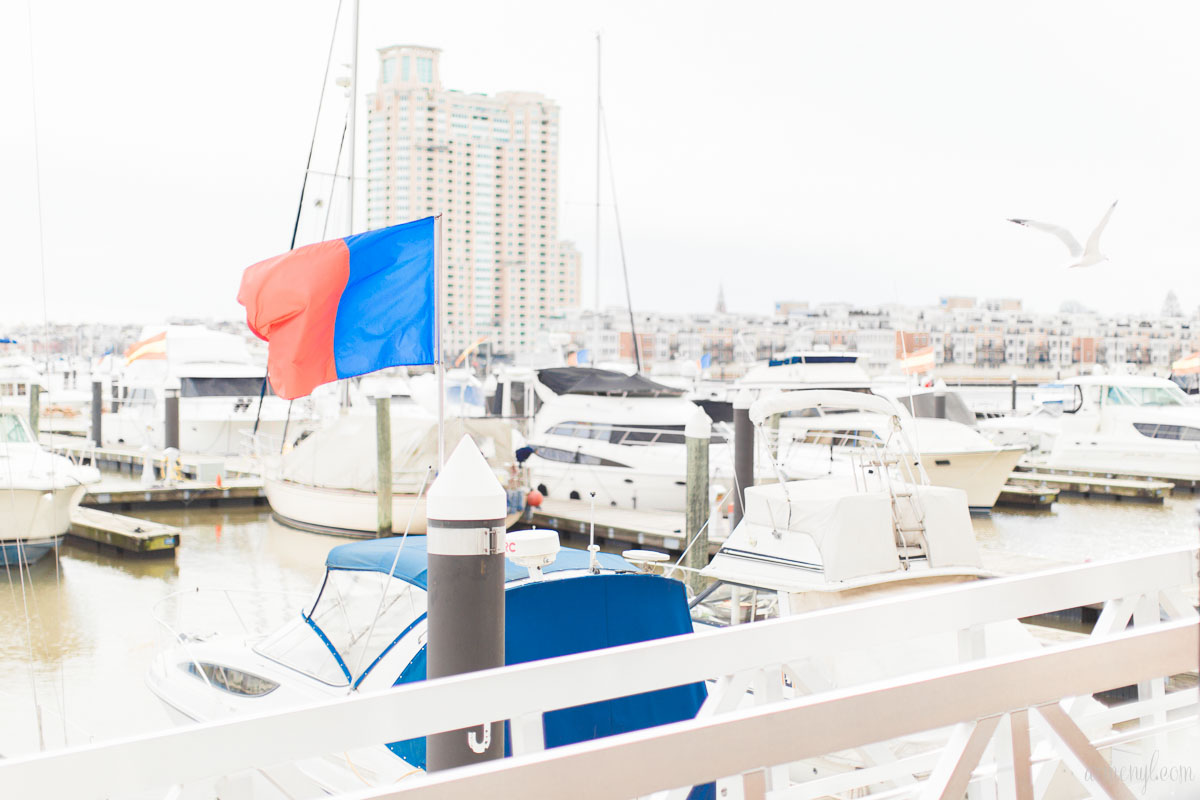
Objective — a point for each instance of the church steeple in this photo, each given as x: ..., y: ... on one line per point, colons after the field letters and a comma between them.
x: 720, y: 298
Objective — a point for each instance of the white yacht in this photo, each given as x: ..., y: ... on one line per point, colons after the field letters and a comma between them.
x: 63, y: 405
x: 365, y: 630
x: 327, y: 481
x: 38, y: 491
x: 821, y: 541
x: 812, y: 544
x: 1128, y: 424
x: 620, y: 436
x: 953, y: 453
x: 219, y: 387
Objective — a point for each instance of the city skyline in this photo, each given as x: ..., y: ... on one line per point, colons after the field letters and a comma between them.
x: 799, y: 151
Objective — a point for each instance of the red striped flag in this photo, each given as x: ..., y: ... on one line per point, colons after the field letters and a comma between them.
x: 1188, y: 365
x: 154, y: 347
x: 918, y: 361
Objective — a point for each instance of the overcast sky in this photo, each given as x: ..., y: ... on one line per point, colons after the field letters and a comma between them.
x: 864, y: 152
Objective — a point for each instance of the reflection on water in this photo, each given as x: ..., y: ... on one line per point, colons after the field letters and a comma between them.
x: 91, y: 628
x: 87, y: 618
x: 1080, y: 529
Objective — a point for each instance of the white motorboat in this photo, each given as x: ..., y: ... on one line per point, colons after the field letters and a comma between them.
x: 1127, y: 424
x: 463, y: 393
x: 63, y: 408
x: 620, y: 436
x: 366, y: 630
x: 38, y: 491
x: 953, y: 453
x: 877, y: 523
x: 327, y: 481
x: 220, y: 390
x: 813, y: 544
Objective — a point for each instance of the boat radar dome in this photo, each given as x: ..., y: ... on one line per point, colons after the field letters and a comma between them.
x: 532, y: 549
x: 644, y: 558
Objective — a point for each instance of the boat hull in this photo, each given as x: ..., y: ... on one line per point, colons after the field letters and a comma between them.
x: 346, y: 512
x: 981, y: 474
x: 37, y: 514
x: 26, y: 551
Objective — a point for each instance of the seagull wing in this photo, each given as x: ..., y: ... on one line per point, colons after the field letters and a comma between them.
x: 1093, y: 242
x: 1062, y: 233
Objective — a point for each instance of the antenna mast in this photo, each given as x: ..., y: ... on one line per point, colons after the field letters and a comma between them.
x: 596, y: 291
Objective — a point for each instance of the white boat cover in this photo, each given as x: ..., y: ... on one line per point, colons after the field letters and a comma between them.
x: 803, y: 534
x: 342, y: 455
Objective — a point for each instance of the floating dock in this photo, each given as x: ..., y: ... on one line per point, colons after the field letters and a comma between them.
x: 127, y: 535
x: 133, y: 459
x: 1041, y: 497
x: 1093, y: 484
x: 1177, y: 482
x: 189, y: 494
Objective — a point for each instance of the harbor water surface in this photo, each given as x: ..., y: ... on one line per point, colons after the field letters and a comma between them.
x: 78, y: 633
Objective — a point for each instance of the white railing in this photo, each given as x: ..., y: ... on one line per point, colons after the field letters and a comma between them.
x: 772, y: 659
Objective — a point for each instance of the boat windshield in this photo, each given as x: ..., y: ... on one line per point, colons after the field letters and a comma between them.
x: 14, y: 430
x: 356, y: 619
x: 222, y: 387
x: 724, y: 604
x: 1145, y: 396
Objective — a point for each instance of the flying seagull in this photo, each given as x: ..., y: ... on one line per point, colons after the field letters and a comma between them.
x: 1084, y: 256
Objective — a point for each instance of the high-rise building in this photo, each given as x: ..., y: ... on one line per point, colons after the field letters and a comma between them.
x: 490, y: 166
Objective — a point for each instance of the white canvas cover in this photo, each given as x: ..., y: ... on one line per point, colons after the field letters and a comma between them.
x: 342, y: 455
x: 949, y: 536
x: 822, y: 526
x: 816, y: 532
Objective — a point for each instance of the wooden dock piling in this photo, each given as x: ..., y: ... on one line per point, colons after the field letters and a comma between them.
x: 97, y: 411
x: 35, y: 406
x: 697, y: 435
x: 383, y: 464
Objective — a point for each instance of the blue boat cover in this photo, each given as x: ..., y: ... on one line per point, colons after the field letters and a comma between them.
x: 378, y: 555
x: 575, y: 615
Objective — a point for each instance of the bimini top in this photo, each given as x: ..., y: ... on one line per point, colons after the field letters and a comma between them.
x: 586, y: 380
x: 378, y: 555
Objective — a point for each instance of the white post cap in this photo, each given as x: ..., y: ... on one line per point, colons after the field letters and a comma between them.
x: 467, y: 489
x: 699, y: 425
x: 743, y: 399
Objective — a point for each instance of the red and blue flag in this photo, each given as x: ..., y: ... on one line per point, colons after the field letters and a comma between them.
x: 345, y: 307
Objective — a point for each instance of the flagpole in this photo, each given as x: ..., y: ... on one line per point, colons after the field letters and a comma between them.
x: 440, y: 367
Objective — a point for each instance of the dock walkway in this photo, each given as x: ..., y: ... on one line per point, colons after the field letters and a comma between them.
x: 126, y: 497
x: 192, y: 466
x: 1093, y: 484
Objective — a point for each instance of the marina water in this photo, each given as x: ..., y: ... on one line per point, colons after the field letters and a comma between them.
x: 80, y: 632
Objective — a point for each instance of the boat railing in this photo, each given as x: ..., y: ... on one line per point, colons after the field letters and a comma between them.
x: 1008, y: 723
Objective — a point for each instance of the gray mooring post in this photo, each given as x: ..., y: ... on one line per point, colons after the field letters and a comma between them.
x: 743, y: 455
x: 1014, y: 392
x: 697, y: 434
x: 97, y: 411
x: 171, y: 423
x: 35, y: 408
x: 465, y: 507
x: 383, y: 463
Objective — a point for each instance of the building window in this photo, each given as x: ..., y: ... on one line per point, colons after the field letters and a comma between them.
x: 425, y: 70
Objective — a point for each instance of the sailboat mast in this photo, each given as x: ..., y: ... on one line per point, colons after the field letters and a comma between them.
x: 351, y: 132
x: 596, y: 290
